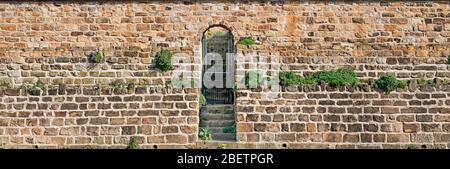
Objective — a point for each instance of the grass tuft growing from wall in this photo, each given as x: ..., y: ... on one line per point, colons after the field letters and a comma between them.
x: 334, y: 78
x: 389, y: 83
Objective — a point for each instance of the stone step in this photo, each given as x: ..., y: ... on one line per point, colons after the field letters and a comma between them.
x: 217, y: 130
x: 228, y: 111
x: 216, y: 116
x: 216, y: 123
x: 218, y: 107
x: 223, y: 136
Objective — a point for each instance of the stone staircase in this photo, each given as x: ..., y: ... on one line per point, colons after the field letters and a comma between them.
x: 218, y: 117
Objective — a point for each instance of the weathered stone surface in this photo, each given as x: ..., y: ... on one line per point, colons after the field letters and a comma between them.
x: 332, y: 137
x: 80, y: 104
x: 179, y: 139
x: 69, y: 106
x: 128, y: 130
x: 396, y: 138
x: 351, y: 138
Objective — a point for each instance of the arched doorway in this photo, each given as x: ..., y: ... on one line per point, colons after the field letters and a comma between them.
x: 218, y: 65
x: 218, y: 115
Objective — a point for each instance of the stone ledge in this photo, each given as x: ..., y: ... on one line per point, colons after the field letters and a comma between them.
x: 92, y: 90
x: 359, y: 88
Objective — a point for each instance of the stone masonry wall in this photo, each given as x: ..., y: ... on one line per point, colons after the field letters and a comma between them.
x: 315, y: 116
x: 99, y: 117
x: 318, y: 116
x: 51, y: 41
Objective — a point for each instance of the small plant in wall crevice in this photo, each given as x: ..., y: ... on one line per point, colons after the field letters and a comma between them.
x: 33, y: 89
x: 290, y: 78
x: 164, y: 60
x: 334, y: 78
x: 389, y: 83
x: 411, y: 146
x: 246, y: 41
x: 205, y: 134
x: 201, y: 100
x: 133, y: 144
x: 222, y: 146
x: 96, y: 57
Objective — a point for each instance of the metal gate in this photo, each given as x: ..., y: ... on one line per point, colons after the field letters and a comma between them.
x: 223, y: 95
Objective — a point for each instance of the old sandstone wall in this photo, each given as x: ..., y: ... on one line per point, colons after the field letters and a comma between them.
x: 51, y: 41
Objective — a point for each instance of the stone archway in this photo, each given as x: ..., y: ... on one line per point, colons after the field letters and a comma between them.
x: 217, y: 78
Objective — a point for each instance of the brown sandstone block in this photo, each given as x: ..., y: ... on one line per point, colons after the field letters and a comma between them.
x: 169, y: 129
x: 51, y: 131
x: 351, y: 138
x: 145, y: 129
x: 289, y: 137
x: 155, y: 139
x: 69, y: 106
x: 398, y: 138
x: 179, y: 139
x: 128, y: 130
x: 332, y: 137
x: 411, y: 128
x: 244, y: 127
x: 297, y: 127
x: 430, y: 127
